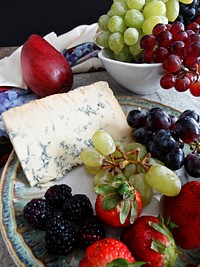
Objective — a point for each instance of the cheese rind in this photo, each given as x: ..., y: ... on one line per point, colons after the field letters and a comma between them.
x: 48, y: 134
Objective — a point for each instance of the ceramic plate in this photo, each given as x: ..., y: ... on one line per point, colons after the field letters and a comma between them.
x: 26, y: 245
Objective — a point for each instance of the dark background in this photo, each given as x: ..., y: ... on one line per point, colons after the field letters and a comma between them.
x: 19, y: 19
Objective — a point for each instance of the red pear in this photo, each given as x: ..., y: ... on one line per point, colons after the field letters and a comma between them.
x: 45, y: 70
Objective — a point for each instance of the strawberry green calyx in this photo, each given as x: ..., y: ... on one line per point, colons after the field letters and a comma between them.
x: 120, y: 195
x: 170, y: 249
x: 120, y: 262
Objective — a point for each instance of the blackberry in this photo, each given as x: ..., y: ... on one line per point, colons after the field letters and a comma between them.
x: 36, y: 212
x: 57, y: 195
x: 77, y: 208
x: 91, y: 230
x: 60, y: 236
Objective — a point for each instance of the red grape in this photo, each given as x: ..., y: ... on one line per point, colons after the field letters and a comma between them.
x: 180, y: 36
x: 164, y: 38
x: 167, y: 81
x: 148, y: 41
x: 182, y: 84
x: 178, y: 48
x: 176, y: 27
x: 160, y: 54
x: 172, y: 63
x: 190, y: 32
x: 147, y: 56
x: 194, y: 26
x: 195, y: 88
x: 194, y: 49
x: 159, y: 28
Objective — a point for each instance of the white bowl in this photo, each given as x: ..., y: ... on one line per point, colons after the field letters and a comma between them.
x: 140, y: 78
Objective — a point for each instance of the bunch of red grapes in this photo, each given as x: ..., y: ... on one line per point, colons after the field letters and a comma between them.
x: 178, y: 49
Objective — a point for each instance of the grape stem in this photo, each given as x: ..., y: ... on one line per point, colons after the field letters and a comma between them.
x: 184, y: 71
x: 195, y: 146
x: 122, y: 161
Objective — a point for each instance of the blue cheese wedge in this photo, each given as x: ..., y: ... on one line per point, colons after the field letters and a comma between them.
x: 48, y: 134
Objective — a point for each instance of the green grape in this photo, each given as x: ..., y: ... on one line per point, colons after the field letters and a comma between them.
x: 110, y: 13
x: 164, y: 19
x: 103, y: 22
x: 140, y: 184
x: 172, y: 9
x: 133, y: 146
x: 186, y: 1
x: 149, y: 1
x: 163, y: 180
x: 91, y: 157
x: 124, y: 1
x: 134, y: 18
x: 135, y: 49
x: 149, y: 24
x: 116, y: 42
x: 152, y: 161
x: 102, y: 38
x: 124, y: 55
x: 131, y: 36
x: 129, y: 170
x: 135, y: 4
x: 92, y: 170
x: 119, y: 8
x: 155, y: 8
x: 103, y: 142
x: 116, y: 24
x: 101, y: 177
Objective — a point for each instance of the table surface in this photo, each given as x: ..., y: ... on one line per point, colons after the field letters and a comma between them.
x: 180, y: 101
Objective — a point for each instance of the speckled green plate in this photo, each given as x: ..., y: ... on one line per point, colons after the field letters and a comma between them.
x: 26, y: 245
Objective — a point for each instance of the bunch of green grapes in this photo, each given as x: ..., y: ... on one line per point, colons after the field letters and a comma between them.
x: 109, y: 161
x: 128, y: 20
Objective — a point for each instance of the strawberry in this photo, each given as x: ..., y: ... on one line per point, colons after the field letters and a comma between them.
x: 184, y: 211
x: 117, y: 204
x: 149, y: 240
x: 108, y: 252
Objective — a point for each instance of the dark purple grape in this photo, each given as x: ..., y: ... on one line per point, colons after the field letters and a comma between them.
x: 136, y: 119
x: 192, y: 164
x: 143, y: 135
x: 164, y: 140
x: 174, y: 160
x: 155, y: 151
x: 158, y: 119
x: 191, y: 113
x: 188, y: 12
x: 187, y: 129
x: 173, y: 119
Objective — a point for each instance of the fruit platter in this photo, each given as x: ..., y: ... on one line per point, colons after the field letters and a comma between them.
x: 94, y: 179
x: 27, y: 243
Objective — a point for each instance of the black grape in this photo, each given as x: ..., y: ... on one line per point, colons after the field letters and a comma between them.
x: 175, y: 158
x: 192, y: 164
